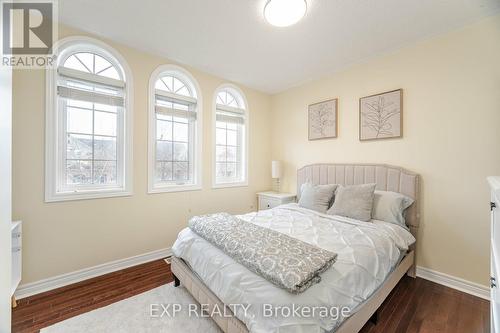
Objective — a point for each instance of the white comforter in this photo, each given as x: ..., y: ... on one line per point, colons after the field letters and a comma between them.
x: 367, y: 253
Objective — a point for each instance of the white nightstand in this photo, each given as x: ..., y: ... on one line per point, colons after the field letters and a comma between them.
x: 269, y: 200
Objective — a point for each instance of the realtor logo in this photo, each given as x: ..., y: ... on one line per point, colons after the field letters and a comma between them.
x: 28, y: 32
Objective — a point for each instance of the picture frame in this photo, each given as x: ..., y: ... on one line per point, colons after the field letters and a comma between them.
x: 381, y: 116
x: 323, y: 120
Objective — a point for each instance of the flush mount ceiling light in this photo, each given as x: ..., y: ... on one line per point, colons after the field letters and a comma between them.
x: 282, y: 13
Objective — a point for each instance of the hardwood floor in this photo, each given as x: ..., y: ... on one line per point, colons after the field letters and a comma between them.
x: 414, y: 306
x: 421, y: 306
x: 42, y: 310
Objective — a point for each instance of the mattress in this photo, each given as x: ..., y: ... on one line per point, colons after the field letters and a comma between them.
x: 367, y: 254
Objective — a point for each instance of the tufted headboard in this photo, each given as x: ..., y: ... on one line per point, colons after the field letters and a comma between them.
x: 387, y: 178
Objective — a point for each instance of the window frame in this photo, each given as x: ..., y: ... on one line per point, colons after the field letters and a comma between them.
x: 197, y: 136
x: 54, y: 127
x: 240, y: 95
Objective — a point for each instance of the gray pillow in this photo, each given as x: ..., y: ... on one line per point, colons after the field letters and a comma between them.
x: 390, y: 207
x: 316, y: 197
x: 354, y: 201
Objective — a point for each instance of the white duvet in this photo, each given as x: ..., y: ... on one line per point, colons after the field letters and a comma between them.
x: 367, y: 253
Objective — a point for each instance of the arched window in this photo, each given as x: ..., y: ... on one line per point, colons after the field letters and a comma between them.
x: 231, y: 128
x: 88, y: 122
x: 174, y: 131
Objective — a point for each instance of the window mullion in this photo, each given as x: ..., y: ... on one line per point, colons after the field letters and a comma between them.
x: 188, y: 153
x: 120, y: 141
x: 240, y: 150
x: 172, y: 178
x: 93, y: 145
x: 227, y: 176
x: 62, y: 179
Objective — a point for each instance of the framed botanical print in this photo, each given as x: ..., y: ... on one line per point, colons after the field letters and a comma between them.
x: 381, y: 116
x: 323, y: 120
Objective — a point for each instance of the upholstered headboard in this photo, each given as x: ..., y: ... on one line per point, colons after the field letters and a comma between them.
x: 387, y: 178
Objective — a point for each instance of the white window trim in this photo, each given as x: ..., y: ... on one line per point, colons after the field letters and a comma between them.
x: 51, y: 130
x: 198, y: 166
x: 215, y: 184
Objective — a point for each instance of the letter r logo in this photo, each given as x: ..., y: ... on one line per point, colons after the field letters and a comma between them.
x: 27, y: 27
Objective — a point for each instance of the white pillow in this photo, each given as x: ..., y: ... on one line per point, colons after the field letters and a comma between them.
x: 316, y: 197
x: 390, y: 207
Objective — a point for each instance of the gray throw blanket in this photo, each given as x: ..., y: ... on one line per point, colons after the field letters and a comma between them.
x: 282, y: 260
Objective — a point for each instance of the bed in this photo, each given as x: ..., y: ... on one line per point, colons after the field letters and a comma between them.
x: 212, y: 277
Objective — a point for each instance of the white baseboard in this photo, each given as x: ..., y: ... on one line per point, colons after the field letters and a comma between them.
x: 465, y: 286
x: 41, y: 286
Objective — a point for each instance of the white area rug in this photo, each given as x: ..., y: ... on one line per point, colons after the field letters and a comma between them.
x: 133, y: 315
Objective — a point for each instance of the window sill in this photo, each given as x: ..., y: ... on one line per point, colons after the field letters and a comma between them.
x: 228, y: 185
x: 86, y: 195
x: 173, y: 188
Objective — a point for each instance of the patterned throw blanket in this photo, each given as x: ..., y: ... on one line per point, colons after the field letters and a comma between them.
x: 287, y: 262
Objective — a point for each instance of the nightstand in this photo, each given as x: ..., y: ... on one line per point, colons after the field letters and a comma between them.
x: 269, y: 200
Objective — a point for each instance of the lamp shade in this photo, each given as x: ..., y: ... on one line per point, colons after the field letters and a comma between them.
x: 276, y: 169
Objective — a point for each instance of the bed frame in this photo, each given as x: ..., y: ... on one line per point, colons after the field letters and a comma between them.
x: 387, y: 178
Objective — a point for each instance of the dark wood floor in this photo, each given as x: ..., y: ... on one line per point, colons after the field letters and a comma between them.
x: 414, y: 306
x: 42, y: 310
x: 421, y: 306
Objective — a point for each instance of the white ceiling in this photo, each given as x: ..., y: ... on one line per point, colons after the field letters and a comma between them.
x: 230, y: 39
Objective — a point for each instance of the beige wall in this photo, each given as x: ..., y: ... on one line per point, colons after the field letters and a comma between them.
x: 67, y: 236
x: 451, y: 136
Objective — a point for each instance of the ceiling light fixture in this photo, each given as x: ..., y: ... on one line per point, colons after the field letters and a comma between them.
x: 282, y: 13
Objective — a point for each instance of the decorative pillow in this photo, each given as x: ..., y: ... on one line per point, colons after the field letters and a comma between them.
x: 354, y: 201
x: 390, y: 207
x: 316, y: 197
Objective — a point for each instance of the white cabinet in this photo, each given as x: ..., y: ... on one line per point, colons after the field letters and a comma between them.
x: 16, y: 230
x: 268, y: 200
x: 495, y: 254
